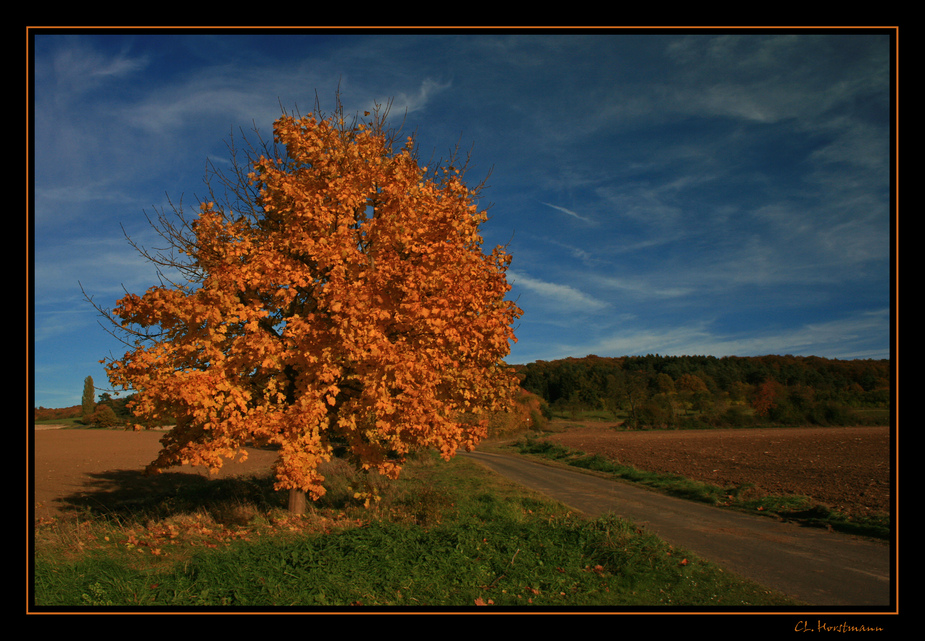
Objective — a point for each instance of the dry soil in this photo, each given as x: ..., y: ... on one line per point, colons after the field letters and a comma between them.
x: 848, y: 469
x: 845, y: 468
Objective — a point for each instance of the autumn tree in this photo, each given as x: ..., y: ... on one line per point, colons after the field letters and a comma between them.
x: 767, y: 397
x: 694, y: 391
x: 337, y: 300
x: 637, y: 394
x: 666, y: 398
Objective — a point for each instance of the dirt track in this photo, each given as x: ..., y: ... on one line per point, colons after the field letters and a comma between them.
x: 845, y: 468
x: 814, y: 565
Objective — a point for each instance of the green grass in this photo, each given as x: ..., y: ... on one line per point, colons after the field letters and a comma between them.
x: 586, y: 415
x: 795, y: 508
x: 446, y: 535
x: 73, y: 422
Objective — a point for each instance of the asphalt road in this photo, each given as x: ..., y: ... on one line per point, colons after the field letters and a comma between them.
x: 815, y: 566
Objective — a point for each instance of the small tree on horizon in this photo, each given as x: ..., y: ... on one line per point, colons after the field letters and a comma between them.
x: 337, y: 299
x: 87, y: 404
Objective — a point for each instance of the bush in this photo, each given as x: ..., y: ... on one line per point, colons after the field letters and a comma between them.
x: 103, y: 416
x: 736, y: 416
x: 653, y: 415
x: 537, y: 420
x: 829, y: 413
x: 526, y: 412
x: 693, y: 423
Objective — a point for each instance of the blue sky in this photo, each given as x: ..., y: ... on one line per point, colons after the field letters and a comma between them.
x: 690, y: 192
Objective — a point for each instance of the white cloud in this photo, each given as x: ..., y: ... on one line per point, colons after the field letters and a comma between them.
x: 861, y: 335
x: 563, y: 296
x: 404, y: 102
x: 642, y: 288
x: 77, y: 69
x: 569, y: 212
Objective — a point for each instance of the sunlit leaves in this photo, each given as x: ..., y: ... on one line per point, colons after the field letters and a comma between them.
x: 357, y: 313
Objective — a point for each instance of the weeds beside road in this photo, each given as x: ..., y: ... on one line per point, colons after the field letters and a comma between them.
x: 793, y: 507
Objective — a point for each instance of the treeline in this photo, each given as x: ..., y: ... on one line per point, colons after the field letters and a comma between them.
x: 655, y: 391
x: 56, y: 413
x: 106, y: 412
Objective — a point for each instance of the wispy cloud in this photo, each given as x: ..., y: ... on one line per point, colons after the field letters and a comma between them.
x: 410, y: 103
x: 642, y: 287
x: 569, y: 212
x: 562, y: 297
x: 77, y: 69
x: 861, y: 335
x: 56, y: 324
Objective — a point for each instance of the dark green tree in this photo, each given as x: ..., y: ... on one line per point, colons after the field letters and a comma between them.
x: 87, y: 404
x: 104, y: 416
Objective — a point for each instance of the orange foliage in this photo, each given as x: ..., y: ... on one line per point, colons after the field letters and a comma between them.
x: 766, y: 397
x: 46, y: 413
x: 525, y: 412
x: 355, y: 310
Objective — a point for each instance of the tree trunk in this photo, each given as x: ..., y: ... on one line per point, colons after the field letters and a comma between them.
x: 296, y: 502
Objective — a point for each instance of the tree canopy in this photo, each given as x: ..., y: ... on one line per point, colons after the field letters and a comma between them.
x: 336, y: 298
x: 660, y: 390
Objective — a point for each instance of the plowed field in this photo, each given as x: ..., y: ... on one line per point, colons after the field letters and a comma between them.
x: 844, y: 468
x: 848, y: 469
x: 74, y: 468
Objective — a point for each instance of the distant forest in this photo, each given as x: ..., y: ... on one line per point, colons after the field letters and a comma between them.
x: 688, y: 391
x: 704, y: 391
x: 118, y: 406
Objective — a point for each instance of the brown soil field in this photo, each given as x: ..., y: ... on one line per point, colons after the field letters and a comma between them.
x: 845, y: 468
x: 848, y: 469
x: 77, y: 467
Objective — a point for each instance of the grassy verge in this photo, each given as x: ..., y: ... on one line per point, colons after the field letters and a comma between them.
x: 67, y: 422
x: 795, y: 508
x: 447, y: 535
